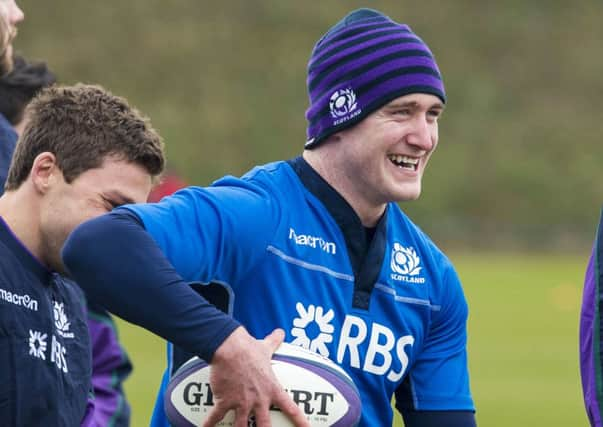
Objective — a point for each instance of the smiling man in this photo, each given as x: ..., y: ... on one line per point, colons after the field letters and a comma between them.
x: 316, y: 245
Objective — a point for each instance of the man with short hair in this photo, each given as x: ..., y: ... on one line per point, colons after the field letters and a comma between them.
x: 110, y: 363
x: 22, y: 81
x: 316, y: 245
x: 83, y: 152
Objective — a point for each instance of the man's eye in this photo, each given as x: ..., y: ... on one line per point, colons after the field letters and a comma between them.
x: 110, y: 204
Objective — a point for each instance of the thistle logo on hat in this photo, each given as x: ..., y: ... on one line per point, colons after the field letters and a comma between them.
x: 363, y: 62
x: 343, y: 105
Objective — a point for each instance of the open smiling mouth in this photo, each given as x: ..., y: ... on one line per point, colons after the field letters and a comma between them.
x: 404, y: 162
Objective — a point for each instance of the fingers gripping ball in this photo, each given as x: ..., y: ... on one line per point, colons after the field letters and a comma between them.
x: 324, y: 392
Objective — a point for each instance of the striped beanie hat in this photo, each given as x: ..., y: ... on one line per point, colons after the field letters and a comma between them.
x: 365, y: 61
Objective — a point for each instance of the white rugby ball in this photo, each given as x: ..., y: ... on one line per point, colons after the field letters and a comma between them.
x: 323, y: 390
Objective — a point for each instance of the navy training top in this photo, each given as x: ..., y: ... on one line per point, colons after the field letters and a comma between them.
x: 44, y: 342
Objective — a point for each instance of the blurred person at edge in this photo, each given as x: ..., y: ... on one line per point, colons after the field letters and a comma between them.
x: 82, y: 152
x: 591, y: 338
x: 17, y: 88
x: 10, y: 16
x: 110, y: 363
x: 316, y: 245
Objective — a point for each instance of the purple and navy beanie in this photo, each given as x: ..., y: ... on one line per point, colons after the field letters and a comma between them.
x: 365, y: 61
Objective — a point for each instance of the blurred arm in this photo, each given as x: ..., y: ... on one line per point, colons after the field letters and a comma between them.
x: 590, y: 333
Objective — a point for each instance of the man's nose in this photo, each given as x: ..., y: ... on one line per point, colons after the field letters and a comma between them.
x: 421, y: 134
x: 15, y: 14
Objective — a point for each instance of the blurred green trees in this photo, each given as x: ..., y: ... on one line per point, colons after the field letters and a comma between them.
x: 519, y: 162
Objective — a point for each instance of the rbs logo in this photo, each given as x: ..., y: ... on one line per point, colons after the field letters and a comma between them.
x: 382, y: 349
x: 386, y: 354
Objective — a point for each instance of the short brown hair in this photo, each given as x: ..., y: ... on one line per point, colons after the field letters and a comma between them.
x: 82, y: 125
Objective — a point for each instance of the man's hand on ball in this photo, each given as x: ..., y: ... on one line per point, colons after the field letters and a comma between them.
x: 242, y: 380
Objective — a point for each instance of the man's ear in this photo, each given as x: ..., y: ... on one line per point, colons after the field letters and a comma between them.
x: 44, y: 171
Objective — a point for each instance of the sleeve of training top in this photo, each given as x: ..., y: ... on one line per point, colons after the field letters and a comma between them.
x: 110, y: 368
x: 590, y: 332
x: 88, y: 420
x: 120, y: 267
x: 213, y: 233
x: 439, y: 379
x: 439, y: 419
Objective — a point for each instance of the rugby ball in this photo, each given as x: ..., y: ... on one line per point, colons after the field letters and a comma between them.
x: 323, y: 390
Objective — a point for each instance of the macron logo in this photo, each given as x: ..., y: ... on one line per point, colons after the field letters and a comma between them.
x: 21, y: 300
x: 312, y: 241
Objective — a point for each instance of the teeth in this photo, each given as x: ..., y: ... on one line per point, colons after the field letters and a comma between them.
x: 398, y: 159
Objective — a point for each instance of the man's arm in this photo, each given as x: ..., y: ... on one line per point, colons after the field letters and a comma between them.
x: 118, y: 265
x: 436, y: 390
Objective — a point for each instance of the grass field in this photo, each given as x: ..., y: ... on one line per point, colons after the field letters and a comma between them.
x: 523, y: 342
